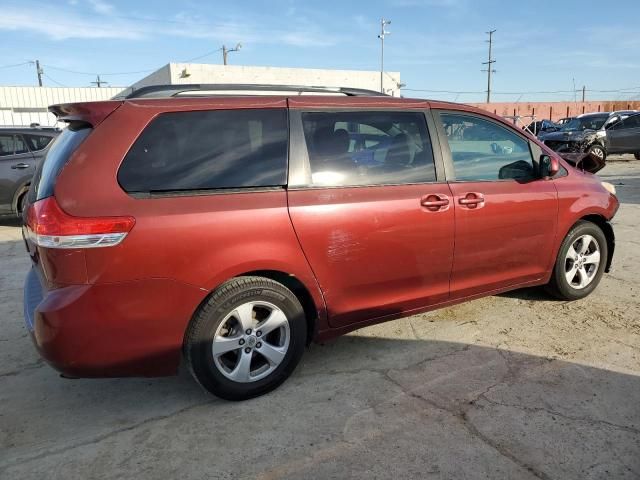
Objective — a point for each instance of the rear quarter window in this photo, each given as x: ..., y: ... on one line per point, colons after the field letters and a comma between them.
x: 206, y: 150
x: 58, y: 155
x: 37, y: 142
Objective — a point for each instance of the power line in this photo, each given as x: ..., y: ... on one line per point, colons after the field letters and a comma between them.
x: 54, y: 81
x: 203, y: 55
x: 93, y: 74
x: 15, y: 65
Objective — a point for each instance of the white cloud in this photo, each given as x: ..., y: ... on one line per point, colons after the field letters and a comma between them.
x: 62, y: 25
x: 68, y: 22
x: 102, y: 7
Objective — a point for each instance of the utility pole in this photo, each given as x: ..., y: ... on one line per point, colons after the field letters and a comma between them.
x: 383, y: 33
x: 489, y: 64
x: 226, y: 51
x: 584, y: 90
x: 98, y: 83
x: 40, y: 72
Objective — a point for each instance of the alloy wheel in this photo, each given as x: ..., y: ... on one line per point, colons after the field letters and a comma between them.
x: 582, y: 261
x: 251, y: 341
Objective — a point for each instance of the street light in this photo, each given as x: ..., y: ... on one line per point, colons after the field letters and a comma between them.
x: 383, y: 33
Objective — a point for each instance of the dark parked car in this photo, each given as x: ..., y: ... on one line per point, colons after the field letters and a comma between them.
x: 589, y: 138
x: 232, y: 230
x: 581, y: 140
x: 624, y: 136
x: 21, y: 151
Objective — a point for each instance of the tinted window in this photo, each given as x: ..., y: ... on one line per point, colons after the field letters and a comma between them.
x: 6, y: 145
x: 368, y: 148
x: 631, y: 122
x: 37, y: 142
x: 57, y: 156
x: 483, y: 150
x: 208, y: 150
x: 20, y: 146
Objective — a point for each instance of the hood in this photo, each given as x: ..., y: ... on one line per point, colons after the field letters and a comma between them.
x: 567, y: 136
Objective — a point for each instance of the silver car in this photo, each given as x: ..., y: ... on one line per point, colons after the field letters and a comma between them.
x: 21, y: 151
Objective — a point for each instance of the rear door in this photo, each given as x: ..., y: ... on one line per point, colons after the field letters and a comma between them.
x: 371, y: 209
x: 624, y: 136
x: 506, y: 215
x: 16, y: 168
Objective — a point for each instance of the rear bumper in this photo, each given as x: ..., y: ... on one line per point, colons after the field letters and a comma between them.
x: 133, y: 328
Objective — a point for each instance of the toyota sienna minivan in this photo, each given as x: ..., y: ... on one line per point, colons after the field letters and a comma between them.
x: 227, y: 230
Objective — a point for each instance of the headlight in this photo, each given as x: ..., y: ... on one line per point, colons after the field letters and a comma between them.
x: 609, y: 187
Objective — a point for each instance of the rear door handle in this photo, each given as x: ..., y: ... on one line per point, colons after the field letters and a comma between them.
x: 20, y: 166
x: 435, y: 202
x: 472, y: 200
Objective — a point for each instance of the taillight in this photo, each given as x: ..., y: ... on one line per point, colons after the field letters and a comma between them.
x: 49, y: 226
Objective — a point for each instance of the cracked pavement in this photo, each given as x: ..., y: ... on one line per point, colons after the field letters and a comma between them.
x: 511, y: 386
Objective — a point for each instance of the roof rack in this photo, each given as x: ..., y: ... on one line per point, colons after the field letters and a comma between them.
x: 165, y: 91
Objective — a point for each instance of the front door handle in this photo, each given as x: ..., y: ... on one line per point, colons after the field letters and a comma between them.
x: 472, y: 200
x: 435, y: 202
x: 20, y: 166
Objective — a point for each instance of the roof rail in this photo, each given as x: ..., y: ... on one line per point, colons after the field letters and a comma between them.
x: 165, y: 91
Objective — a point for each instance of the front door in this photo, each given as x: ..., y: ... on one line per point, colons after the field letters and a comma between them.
x: 624, y: 136
x: 373, y: 219
x: 506, y: 215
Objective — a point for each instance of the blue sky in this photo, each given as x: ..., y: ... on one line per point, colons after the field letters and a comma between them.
x: 540, y: 46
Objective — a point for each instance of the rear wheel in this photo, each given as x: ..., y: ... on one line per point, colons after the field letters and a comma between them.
x: 246, y: 339
x: 20, y: 204
x: 580, y: 263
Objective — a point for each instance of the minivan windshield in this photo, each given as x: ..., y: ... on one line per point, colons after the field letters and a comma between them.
x: 57, y: 156
x: 584, y: 123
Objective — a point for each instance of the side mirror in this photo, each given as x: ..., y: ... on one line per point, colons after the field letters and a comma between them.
x: 549, y: 166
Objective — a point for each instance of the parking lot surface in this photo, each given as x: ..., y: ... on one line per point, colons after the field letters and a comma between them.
x: 511, y: 386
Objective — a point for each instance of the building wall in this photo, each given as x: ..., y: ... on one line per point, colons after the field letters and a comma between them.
x: 177, y: 73
x: 22, y: 106
x: 556, y: 110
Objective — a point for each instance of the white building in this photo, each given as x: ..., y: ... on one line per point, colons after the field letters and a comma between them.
x: 22, y: 106
x: 177, y: 73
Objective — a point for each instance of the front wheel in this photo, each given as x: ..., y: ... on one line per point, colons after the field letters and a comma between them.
x: 598, y: 152
x: 580, y: 263
x: 246, y: 339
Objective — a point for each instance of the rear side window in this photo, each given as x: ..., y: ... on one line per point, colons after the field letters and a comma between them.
x: 57, y: 156
x: 368, y: 148
x: 37, y: 142
x: 208, y: 150
x: 6, y: 145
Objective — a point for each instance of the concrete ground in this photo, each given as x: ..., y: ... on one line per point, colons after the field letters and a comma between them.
x: 511, y: 386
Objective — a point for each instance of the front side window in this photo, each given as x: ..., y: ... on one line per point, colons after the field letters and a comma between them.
x: 483, y: 150
x: 206, y: 150
x: 368, y: 148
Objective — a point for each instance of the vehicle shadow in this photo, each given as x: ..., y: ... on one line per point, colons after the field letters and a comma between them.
x: 397, y: 406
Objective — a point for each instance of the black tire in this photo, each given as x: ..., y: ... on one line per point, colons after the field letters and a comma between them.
x: 559, y: 286
x: 20, y: 204
x: 637, y: 155
x: 597, y: 151
x: 209, y: 319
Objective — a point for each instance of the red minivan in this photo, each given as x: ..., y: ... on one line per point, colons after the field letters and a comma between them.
x: 232, y: 229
